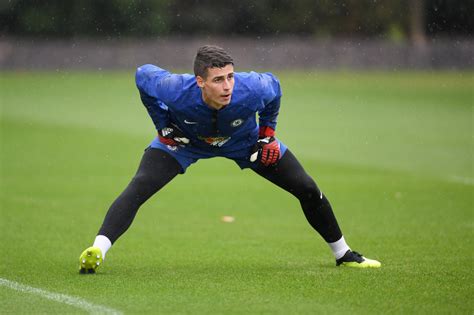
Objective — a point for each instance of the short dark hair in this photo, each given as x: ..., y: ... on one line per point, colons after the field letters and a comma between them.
x: 210, y: 56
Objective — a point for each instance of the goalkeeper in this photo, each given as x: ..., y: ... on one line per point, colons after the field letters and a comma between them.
x: 213, y: 113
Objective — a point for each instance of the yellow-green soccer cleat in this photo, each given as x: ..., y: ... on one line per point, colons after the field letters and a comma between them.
x: 356, y: 260
x: 90, y: 260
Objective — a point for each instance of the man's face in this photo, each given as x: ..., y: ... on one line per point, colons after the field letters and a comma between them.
x: 217, y: 86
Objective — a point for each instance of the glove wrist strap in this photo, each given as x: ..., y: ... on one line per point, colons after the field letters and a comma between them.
x: 265, y: 131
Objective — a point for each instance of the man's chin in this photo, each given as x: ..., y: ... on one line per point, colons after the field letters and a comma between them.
x: 226, y: 100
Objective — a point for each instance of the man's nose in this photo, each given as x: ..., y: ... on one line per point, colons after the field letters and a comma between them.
x: 227, y: 85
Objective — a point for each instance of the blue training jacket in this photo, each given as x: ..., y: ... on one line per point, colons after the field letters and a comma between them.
x: 176, y: 99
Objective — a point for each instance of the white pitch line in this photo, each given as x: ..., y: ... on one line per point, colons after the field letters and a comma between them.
x: 58, y: 297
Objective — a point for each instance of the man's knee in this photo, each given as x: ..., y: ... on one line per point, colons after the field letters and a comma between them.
x: 307, y: 189
x: 146, y: 181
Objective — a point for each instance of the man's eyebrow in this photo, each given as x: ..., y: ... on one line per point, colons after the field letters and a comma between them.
x: 218, y: 76
x: 222, y: 76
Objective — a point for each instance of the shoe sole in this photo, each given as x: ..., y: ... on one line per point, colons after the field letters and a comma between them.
x: 90, y: 260
x: 374, y: 264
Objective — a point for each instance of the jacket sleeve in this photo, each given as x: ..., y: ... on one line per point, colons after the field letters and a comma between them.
x: 271, y: 94
x: 157, y: 88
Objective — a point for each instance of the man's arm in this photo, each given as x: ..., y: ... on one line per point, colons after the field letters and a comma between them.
x: 271, y: 95
x: 157, y: 89
x: 157, y: 110
x: 267, y: 148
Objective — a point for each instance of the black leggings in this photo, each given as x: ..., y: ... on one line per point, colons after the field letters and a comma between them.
x: 290, y: 175
x: 157, y: 168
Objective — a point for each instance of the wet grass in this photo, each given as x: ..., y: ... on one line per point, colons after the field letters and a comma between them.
x: 393, y: 153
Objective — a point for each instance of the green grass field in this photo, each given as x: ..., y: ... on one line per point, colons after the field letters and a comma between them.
x: 392, y: 151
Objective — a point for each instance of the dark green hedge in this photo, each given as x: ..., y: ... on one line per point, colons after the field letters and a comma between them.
x: 124, y: 18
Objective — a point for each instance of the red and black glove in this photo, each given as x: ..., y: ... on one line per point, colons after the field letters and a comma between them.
x: 267, y: 148
x: 172, y: 136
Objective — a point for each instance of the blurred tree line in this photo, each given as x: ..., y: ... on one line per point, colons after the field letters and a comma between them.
x: 390, y: 19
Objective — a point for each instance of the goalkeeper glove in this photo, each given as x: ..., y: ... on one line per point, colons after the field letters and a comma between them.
x: 267, y: 148
x: 172, y: 136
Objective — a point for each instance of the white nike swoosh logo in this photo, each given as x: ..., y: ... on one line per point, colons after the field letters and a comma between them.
x: 190, y: 122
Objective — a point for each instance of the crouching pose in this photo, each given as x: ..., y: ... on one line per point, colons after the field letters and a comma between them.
x: 208, y: 114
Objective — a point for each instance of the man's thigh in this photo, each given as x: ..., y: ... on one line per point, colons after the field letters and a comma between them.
x: 181, y: 154
x: 288, y: 174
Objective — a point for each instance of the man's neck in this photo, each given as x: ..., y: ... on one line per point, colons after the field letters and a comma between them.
x: 216, y: 106
x: 212, y: 105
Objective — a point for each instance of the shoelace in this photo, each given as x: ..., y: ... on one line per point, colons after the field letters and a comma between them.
x: 358, y: 257
x: 357, y: 254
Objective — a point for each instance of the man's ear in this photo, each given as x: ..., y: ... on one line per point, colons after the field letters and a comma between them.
x: 200, y: 81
